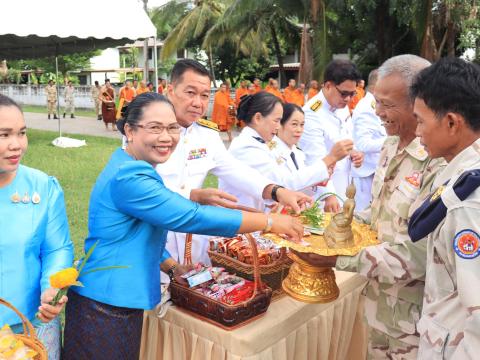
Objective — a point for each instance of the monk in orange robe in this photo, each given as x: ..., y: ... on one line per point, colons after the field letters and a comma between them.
x: 269, y: 85
x: 293, y: 95
x: 256, y: 85
x: 125, y: 96
x: 241, y: 91
x: 274, y: 90
x: 251, y: 89
x: 223, y: 107
x: 313, y: 90
x: 359, y: 96
x: 162, y: 85
x: 142, y: 88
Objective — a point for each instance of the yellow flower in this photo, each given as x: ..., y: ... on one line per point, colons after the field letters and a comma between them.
x: 64, y: 278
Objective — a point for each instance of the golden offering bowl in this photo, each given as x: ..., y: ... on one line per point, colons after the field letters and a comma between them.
x: 310, y: 284
x: 313, y: 284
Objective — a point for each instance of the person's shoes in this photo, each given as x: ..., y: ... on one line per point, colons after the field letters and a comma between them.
x: 99, y: 117
x: 55, y: 116
x: 72, y: 116
x: 48, y: 116
x: 64, y: 115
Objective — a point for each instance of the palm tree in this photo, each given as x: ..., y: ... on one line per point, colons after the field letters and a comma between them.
x: 250, y: 24
x: 193, y: 26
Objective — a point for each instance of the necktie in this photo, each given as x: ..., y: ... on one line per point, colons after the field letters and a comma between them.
x: 292, y: 155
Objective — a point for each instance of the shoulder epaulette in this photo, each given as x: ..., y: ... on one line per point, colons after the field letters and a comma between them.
x: 427, y: 217
x: 316, y: 105
x: 208, y: 124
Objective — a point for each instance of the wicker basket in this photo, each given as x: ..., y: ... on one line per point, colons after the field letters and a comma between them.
x: 28, y: 337
x: 272, y: 274
x: 224, y: 315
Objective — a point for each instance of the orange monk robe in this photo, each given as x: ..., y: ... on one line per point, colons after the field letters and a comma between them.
x: 141, y: 90
x: 312, y: 92
x: 239, y: 93
x: 160, y: 89
x: 127, y: 94
x: 258, y: 88
x: 294, y: 96
x: 221, y: 110
x: 354, y: 101
x: 276, y: 92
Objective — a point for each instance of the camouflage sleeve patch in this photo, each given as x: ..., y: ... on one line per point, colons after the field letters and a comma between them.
x: 208, y: 124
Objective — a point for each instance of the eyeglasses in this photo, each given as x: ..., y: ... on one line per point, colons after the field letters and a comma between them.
x: 172, y: 129
x: 345, y: 94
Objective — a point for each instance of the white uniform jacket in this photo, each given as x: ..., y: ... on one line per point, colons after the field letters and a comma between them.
x: 274, y: 162
x: 368, y: 135
x: 200, y: 150
x: 324, y: 126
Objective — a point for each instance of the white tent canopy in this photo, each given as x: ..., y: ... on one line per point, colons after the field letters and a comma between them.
x: 33, y: 28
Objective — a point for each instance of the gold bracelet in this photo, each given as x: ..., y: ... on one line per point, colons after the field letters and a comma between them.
x: 269, y: 225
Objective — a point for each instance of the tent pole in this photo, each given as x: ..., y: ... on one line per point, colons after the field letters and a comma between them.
x: 58, y: 97
x: 155, y: 62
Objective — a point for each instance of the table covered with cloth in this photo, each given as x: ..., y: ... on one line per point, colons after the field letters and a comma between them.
x: 290, y: 330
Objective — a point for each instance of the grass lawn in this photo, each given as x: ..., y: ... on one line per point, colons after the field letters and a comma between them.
x: 76, y: 169
x: 43, y: 110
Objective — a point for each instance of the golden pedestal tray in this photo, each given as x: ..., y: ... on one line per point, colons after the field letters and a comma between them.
x: 313, y: 284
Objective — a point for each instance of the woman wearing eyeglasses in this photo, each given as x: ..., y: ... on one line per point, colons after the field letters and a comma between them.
x: 258, y: 147
x: 130, y: 213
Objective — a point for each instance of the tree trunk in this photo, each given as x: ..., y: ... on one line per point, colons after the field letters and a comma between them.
x: 278, y: 54
x: 428, y: 49
x: 381, y: 14
x: 306, y: 59
x: 210, y: 61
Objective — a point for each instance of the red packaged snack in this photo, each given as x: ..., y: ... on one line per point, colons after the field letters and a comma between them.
x: 240, y: 294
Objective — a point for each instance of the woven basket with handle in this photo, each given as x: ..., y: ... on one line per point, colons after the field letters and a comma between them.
x: 272, y: 274
x: 224, y: 315
x: 28, y: 337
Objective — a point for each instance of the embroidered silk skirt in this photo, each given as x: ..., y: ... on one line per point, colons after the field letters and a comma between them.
x: 94, y: 330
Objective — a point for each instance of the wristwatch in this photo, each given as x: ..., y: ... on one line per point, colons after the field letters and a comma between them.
x: 171, y: 274
x: 274, y: 192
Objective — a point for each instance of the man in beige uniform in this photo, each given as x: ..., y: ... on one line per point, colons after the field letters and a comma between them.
x: 448, y: 114
x: 51, y: 91
x: 95, y: 92
x: 393, y: 296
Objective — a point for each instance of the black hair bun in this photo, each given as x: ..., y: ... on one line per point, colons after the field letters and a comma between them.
x: 243, y: 107
x: 121, y: 125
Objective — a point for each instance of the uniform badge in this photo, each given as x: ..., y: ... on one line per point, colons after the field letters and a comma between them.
x: 414, y: 179
x: 437, y: 193
x: 279, y: 161
x: 272, y: 145
x: 373, y: 104
x: 316, y: 105
x: 467, y: 244
x: 197, y: 154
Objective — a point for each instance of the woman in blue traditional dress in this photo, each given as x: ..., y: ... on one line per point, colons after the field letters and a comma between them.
x: 130, y: 213
x: 34, y: 239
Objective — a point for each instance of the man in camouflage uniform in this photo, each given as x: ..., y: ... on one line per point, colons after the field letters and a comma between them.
x: 446, y: 106
x: 393, y: 295
x: 51, y: 91
x: 95, y: 92
x: 69, y: 96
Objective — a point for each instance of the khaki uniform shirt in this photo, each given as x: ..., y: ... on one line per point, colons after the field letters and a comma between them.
x: 450, y: 324
x: 51, y: 92
x: 95, y: 92
x: 396, y: 267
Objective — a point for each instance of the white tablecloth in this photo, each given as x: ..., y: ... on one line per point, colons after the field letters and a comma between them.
x: 290, y: 330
